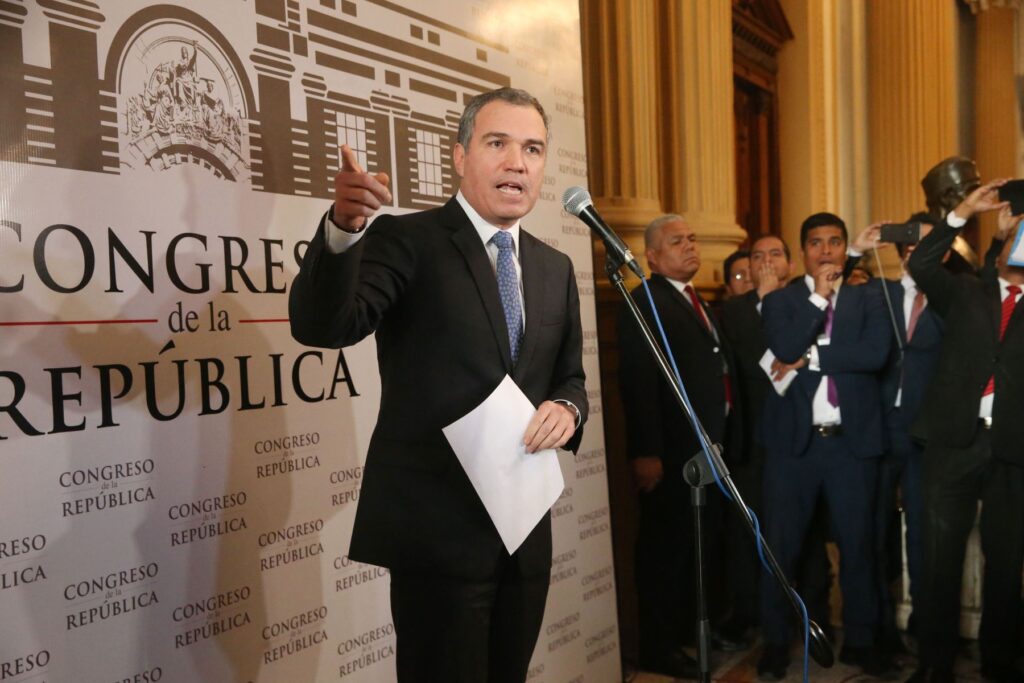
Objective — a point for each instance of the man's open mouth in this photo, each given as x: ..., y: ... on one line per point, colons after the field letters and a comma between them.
x: 511, y: 188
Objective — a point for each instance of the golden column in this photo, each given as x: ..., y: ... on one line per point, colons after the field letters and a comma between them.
x: 620, y: 88
x: 697, y: 133
x: 818, y: 72
x: 995, y: 114
x: 913, y: 105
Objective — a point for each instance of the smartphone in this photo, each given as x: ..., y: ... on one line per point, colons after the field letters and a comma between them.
x: 1013, y: 192
x: 901, y: 233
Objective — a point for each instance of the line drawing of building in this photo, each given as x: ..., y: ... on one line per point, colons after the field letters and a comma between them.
x: 174, y: 89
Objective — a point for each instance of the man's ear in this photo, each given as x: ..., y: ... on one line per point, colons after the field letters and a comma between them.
x: 459, y: 158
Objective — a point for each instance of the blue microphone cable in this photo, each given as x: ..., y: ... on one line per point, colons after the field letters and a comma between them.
x: 714, y: 471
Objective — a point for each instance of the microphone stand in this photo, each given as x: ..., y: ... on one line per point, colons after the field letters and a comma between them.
x: 698, y: 473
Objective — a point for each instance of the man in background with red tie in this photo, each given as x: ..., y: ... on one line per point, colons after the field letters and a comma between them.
x: 973, y: 423
x: 660, y: 440
x: 823, y: 437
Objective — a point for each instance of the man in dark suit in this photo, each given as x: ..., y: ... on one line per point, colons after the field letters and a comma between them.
x: 446, y: 292
x: 971, y: 421
x: 917, y: 335
x: 660, y: 440
x: 771, y: 266
x: 824, y: 436
x: 905, y: 381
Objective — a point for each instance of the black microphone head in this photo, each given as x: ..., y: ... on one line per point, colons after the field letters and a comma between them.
x: 575, y: 199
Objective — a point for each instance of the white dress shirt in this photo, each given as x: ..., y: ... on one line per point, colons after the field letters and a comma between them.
x: 909, y: 294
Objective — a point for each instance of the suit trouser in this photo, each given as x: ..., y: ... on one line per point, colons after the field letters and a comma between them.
x: 899, y: 476
x: 664, y: 562
x: 955, y: 480
x: 791, y: 490
x: 464, y: 631
x: 744, y: 568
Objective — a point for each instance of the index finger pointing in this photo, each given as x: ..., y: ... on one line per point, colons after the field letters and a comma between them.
x: 349, y: 162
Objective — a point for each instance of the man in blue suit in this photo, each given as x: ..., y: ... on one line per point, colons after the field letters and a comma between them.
x: 824, y: 437
x: 917, y: 333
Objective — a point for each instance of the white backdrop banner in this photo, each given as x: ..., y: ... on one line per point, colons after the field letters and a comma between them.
x: 178, y: 477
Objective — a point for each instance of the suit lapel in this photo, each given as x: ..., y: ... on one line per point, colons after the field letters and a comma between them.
x: 898, y: 294
x: 683, y: 302
x: 844, y: 312
x: 994, y: 296
x: 467, y: 241
x: 533, y: 293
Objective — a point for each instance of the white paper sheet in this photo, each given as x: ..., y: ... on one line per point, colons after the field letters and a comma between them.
x: 780, y: 385
x: 516, y: 487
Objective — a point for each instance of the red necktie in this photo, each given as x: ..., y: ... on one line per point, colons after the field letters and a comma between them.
x: 1008, y: 303
x: 699, y: 310
x: 697, y: 307
x: 915, y: 313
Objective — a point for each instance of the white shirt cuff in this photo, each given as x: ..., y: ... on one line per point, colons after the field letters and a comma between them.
x: 813, y: 364
x: 954, y: 221
x: 818, y: 300
x: 339, y: 241
x: 850, y: 251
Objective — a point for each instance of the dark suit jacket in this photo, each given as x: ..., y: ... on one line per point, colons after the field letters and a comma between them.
x: 744, y: 329
x: 859, y: 346
x: 655, y: 424
x: 972, y: 309
x: 424, y: 284
x: 920, y: 356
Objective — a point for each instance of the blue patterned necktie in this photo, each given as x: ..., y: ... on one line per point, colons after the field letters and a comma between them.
x: 508, y: 288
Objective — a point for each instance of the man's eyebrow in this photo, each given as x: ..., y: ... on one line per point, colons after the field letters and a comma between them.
x: 499, y: 135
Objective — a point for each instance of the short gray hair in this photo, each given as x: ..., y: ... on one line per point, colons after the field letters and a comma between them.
x: 654, y: 227
x: 514, y: 96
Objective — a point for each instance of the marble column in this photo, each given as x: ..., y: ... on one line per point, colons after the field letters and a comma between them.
x: 620, y: 81
x: 996, y: 112
x: 913, y: 99
x: 697, y: 132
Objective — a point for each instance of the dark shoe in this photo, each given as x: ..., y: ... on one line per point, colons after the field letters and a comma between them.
x: 729, y: 638
x: 773, y: 663
x: 929, y: 675
x: 1001, y: 674
x: 892, y: 642
x: 677, y: 665
x: 872, y: 660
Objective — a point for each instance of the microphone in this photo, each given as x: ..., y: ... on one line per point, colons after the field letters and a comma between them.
x: 576, y: 201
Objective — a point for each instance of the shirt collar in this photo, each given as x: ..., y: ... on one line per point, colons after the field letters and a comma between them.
x: 1003, y: 284
x: 485, y: 229
x: 679, y: 285
x: 909, y: 285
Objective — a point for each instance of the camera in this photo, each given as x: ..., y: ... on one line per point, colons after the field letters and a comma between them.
x: 901, y: 233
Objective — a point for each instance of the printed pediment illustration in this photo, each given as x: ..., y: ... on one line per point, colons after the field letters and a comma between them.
x: 181, y: 103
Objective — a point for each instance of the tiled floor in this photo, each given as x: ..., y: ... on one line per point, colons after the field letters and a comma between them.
x: 741, y: 667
